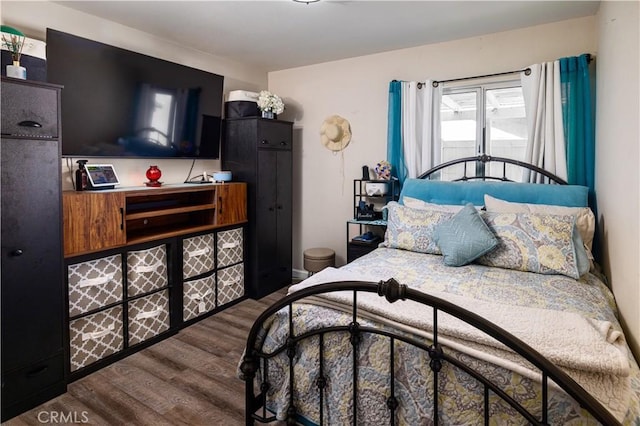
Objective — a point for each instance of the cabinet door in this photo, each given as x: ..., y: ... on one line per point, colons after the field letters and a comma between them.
x: 284, y: 215
x: 93, y: 221
x: 266, y: 215
x: 32, y: 270
x: 231, y: 204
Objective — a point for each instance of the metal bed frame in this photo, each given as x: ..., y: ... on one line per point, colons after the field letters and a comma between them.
x: 254, y: 366
x: 393, y: 291
x: 480, y: 162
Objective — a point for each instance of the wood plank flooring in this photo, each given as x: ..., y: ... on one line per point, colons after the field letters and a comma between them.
x: 187, y: 379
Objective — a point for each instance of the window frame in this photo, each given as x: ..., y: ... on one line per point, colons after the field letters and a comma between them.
x: 481, y: 91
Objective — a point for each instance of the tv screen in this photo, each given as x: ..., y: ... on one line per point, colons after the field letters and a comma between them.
x: 119, y: 103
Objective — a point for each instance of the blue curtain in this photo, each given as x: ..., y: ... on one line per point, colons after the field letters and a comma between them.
x: 577, y: 118
x: 395, y: 155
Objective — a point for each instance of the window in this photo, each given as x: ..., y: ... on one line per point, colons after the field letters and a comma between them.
x: 483, y: 119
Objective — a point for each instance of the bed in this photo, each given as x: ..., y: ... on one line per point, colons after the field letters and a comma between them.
x: 445, y: 324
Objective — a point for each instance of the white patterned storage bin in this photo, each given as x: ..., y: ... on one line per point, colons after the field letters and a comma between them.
x: 94, y: 284
x: 197, y: 255
x: 95, y: 336
x: 230, y: 245
x: 230, y: 283
x: 146, y: 270
x: 199, y: 297
x: 148, y: 316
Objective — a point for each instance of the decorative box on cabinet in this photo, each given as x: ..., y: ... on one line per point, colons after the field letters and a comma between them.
x: 230, y: 284
x: 94, y: 284
x: 148, y: 316
x: 199, y: 297
x: 259, y: 152
x: 146, y: 270
x: 95, y: 337
x: 198, y: 256
x: 33, y: 312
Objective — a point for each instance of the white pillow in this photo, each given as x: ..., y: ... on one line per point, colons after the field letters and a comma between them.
x: 585, y: 219
x: 418, y: 204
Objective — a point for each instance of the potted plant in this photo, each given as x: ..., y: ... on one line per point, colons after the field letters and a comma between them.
x: 13, y: 41
x: 270, y: 104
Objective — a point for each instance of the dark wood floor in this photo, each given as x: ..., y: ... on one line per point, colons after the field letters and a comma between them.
x: 187, y: 379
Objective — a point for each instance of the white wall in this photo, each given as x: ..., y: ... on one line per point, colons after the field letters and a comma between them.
x: 33, y: 18
x: 357, y: 89
x: 618, y: 156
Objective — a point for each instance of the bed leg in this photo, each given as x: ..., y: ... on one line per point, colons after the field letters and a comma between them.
x: 249, y: 367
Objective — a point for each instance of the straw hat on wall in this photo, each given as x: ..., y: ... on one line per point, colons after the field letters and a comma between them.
x: 335, y: 133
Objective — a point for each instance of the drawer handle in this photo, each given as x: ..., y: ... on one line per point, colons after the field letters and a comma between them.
x: 147, y: 268
x: 150, y: 314
x: 98, y: 334
x: 230, y: 245
x: 197, y: 253
x: 37, y: 371
x: 230, y: 283
x: 197, y: 297
x: 91, y: 282
x: 264, y: 142
x: 29, y: 123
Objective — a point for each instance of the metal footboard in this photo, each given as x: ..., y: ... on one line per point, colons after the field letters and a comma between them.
x: 254, y: 374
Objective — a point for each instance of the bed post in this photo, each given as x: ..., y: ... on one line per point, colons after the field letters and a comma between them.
x: 249, y: 367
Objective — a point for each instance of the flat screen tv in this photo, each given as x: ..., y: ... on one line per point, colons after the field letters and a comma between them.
x: 119, y: 103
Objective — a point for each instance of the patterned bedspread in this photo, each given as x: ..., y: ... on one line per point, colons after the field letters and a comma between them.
x: 461, y: 397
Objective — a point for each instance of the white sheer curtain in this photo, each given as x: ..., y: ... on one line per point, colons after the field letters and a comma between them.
x: 543, y: 105
x: 420, y: 126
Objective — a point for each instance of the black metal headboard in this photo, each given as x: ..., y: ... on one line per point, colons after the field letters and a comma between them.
x: 479, y: 170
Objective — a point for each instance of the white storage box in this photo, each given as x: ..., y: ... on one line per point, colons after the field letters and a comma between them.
x: 242, y: 95
x: 241, y: 103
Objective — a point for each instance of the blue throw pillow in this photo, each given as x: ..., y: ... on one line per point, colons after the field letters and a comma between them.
x: 464, y: 237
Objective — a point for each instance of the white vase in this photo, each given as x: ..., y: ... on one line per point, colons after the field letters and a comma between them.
x: 268, y: 114
x: 16, y: 71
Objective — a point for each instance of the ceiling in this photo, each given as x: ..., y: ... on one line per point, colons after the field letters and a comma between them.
x: 275, y: 35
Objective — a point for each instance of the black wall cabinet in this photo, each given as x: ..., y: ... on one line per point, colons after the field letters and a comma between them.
x: 33, y: 302
x: 259, y: 152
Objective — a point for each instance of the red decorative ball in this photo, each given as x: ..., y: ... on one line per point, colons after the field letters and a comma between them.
x: 153, y: 173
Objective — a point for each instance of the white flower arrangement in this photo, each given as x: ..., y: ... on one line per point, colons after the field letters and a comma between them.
x: 267, y: 101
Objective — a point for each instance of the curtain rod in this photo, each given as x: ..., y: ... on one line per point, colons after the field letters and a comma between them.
x: 526, y: 71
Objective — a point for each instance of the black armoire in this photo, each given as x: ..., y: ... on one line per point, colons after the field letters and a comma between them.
x: 259, y: 152
x: 33, y: 302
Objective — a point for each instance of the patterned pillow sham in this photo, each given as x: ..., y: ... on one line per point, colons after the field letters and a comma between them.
x: 585, y: 219
x: 412, y: 229
x: 532, y: 242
